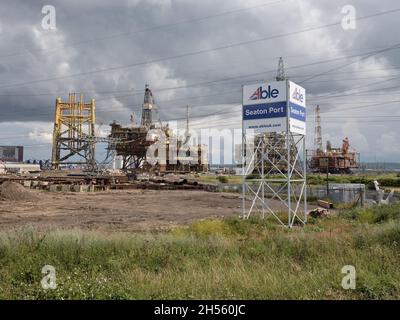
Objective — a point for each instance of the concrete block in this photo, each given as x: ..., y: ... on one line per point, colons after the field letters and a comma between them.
x: 54, y: 188
x: 27, y: 183
x: 66, y: 188
x: 78, y: 188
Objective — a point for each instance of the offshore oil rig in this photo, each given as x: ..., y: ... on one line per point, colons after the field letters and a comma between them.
x: 171, y: 153
x: 332, y: 160
x: 74, y: 140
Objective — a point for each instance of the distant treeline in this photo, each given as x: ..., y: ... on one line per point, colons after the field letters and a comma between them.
x: 390, y: 180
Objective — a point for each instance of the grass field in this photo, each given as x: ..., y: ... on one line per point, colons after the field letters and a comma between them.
x: 215, y: 179
x: 389, y: 180
x: 215, y: 259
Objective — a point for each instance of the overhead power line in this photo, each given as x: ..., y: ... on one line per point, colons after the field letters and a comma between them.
x: 153, y: 28
x: 193, y: 53
x: 141, y: 91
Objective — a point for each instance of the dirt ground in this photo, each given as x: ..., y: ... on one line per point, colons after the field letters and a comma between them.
x: 117, y: 210
x: 123, y: 210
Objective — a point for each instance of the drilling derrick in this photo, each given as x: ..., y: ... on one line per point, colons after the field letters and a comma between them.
x: 280, y: 75
x: 73, y: 135
x: 149, y: 109
x: 317, y: 131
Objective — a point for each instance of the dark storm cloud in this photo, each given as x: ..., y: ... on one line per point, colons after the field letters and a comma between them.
x: 94, y: 35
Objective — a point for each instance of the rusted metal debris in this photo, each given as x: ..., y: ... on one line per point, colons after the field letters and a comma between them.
x: 318, y: 213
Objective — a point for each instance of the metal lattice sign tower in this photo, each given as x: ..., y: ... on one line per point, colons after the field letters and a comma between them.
x: 273, y: 151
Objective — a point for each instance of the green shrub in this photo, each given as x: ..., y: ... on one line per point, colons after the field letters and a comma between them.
x: 223, y: 179
x: 375, y: 214
x: 389, y: 182
x: 384, y: 180
x: 386, y: 235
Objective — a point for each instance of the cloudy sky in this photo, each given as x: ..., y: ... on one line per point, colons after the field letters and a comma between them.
x: 200, y: 53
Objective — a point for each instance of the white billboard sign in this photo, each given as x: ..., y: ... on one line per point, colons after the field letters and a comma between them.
x: 297, y: 107
x: 265, y: 107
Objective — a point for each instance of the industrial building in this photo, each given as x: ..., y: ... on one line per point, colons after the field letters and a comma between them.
x: 12, y: 161
x: 18, y: 168
x: 11, y: 153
